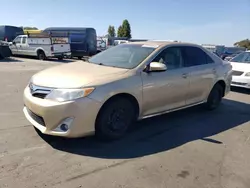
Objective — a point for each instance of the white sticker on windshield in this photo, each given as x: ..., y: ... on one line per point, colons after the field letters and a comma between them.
x: 150, y: 46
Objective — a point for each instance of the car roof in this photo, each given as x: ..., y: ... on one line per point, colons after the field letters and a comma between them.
x: 161, y: 43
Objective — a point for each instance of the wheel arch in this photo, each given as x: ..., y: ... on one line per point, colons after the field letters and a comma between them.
x: 222, y: 83
x: 39, y: 50
x: 128, y: 96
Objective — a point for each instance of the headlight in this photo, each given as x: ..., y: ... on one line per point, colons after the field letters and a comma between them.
x: 247, y: 74
x: 62, y: 95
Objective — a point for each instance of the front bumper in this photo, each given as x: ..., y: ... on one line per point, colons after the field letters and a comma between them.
x: 241, y: 81
x: 47, y: 115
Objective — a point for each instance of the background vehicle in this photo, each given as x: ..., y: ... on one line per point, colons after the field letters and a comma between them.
x: 41, y: 45
x: 26, y: 32
x: 126, y: 82
x: 231, y: 51
x: 4, y: 50
x: 101, y: 44
x: 82, y: 40
x: 9, y: 33
x: 241, y: 70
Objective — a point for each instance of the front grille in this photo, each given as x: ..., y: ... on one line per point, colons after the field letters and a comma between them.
x: 36, y: 117
x: 239, y: 83
x: 38, y: 91
x: 237, y: 73
x: 39, y: 95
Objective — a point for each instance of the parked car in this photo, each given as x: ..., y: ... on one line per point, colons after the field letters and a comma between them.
x: 241, y: 70
x: 41, y: 46
x: 82, y: 40
x: 122, y: 84
x: 4, y: 50
x: 101, y: 44
x: 9, y: 33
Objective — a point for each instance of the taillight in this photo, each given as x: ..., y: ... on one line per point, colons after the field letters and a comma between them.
x: 52, y: 48
x: 6, y: 39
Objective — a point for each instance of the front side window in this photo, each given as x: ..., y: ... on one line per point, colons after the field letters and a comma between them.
x: 171, y: 56
x: 194, y: 56
x: 17, y: 40
x: 126, y: 56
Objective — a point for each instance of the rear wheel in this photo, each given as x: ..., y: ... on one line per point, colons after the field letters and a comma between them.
x: 215, y: 97
x: 114, y: 119
x: 60, y: 58
x: 41, y: 55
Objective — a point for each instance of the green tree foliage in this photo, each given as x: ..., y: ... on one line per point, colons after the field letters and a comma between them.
x: 120, y: 31
x: 244, y: 43
x: 111, y: 31
x: 124, y: 30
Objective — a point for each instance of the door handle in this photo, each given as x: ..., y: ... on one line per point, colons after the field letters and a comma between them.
x: 184, y: 75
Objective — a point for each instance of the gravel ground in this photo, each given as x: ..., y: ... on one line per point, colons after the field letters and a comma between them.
x: 192, y: 148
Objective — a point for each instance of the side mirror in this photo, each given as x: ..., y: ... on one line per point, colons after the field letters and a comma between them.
x: 157, y: 67
x: 14, y: 42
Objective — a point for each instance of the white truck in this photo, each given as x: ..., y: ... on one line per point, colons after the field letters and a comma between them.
x: 41, y: 45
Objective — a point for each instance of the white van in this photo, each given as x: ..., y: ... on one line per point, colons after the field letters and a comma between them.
x: 42, y: 46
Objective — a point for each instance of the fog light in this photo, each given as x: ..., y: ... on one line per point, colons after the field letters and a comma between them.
x: 64, y: 126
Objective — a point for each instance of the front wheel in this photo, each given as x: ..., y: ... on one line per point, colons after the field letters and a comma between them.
x: 215, y: 97
x: 114, y: 119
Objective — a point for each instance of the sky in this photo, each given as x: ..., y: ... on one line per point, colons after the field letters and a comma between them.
x: 198, y: 21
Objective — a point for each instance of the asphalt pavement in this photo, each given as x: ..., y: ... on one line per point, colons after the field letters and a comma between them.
x: 192, y: 148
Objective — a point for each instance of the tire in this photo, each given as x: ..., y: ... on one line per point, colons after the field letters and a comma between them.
x: 60, y: 58
x: 41, y: 55
x: 79, y: 58
x: 215, y: 97
x: 114, y: 119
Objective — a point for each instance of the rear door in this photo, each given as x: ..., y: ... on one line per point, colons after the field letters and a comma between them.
x: 60, y: 45
x: 201, y: 72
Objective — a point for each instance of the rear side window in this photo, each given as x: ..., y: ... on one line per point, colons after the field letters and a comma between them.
x: 194, y: 56
x: 77, y: 37
x: 24, y: 40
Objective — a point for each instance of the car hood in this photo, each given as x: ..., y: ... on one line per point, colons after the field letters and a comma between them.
x: 74, y: 75
x: 244, y: 67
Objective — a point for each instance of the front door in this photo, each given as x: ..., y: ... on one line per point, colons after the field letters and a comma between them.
x: 201, y: 72
x: 23, y: 50
x: 15, y: 45
x: 166, y: 90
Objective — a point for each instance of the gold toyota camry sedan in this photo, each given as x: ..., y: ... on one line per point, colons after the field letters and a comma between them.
x: 128, y: 82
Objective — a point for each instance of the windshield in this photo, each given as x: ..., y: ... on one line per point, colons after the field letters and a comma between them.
x: 242, y: 58
x: 126, y: 56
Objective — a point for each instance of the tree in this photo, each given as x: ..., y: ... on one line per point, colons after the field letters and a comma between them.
x: 124, y: 30
x: 120, y: 31
x: 244, y: 43
x: 111, y: 31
